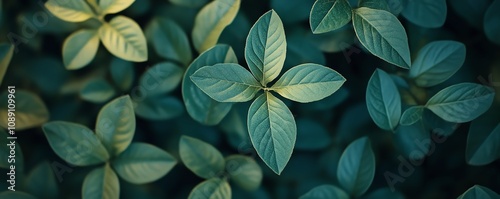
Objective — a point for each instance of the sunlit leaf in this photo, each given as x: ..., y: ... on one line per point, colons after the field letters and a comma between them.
x: 72, y: 11
x: 124, y: 39
x: 101, y: 183
x: 114, y: 6
x: 30, y: 110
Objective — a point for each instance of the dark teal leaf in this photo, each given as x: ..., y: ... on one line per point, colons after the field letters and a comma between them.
x: 244, y: 171
x: 426, y: 13
x: 159, y: 107
x: 357, y: 167
x: 491, y: 21
x: 200, y: 157
x: 97, y: 91
x: 42, y: 182
x: 325, y: 192
x: 383, y: 100
x: 162, y: 78
x: 329, y: 15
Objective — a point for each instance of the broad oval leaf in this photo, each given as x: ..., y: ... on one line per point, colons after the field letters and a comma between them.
x: 426, y: 13
x: 265, y: 49
x: 101, y: 183
x: 75, y: 143
x: 211, y: 21
x: 79, y: 49
x: 115, y: 125
x: 383, y: 100
x: 308, y: 82
x: 411, y: 115
x: 214, y: 188
x: 70, y: 10
x: 272, y: 131
x: 30, y: 110
x: 226, y: 82
x: 383, y: 35
x: 329, y: 15
x: 199, y: 105
x: 491, y: 21
x: 479, y: 192
x: 143, y: 163
x: 114, y: 6
x: 16, y: 195
x: 124, y: 39
x: 97, y: 91
x: 169, y: 40
x: 483, y: 144
x: 122, y: 73
x: 42, y: 182
x: 357, y: 167
x: 325, y: 192
x: 462, y: 102
x: 159, y: 107
x: 200, y: 157
x: 6, y: 53
x: 436, y: 62
x: 414, y: 141
x: 244, y: 171
x: 162, y: 78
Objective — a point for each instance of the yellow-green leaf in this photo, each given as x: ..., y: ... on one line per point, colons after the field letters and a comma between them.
x: 124, y: 39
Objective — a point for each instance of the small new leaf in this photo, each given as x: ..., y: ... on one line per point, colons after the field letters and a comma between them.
x: 72, y: 11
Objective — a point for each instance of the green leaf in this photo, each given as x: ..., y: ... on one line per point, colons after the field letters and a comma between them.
x: 357, y: 167
x: 16, y: 195
x: 483, y: 144
x: 214, y: 188
x: 226, y: 82
x: 199, y: 105
x: 479, y: 192
x: 426, y: 13
x: 122, y: 73
x: 329, y: 15
x: 143, y: 163
x: 308, y: 82
x: 244, y: 171
x: 311, y: 135
x: 101, y: 183
x: 114, y: 6
x: 385, y: 193
x: 162, y: 78
x: 383, y: 35
x: 75, y: 143
x: 124, y: 39
x: 200, y: 157
x: 265, y: 48
x: 115, y: 125
x: 375, y: 4
x: 159, y: 107
x: 42, y: 182
x: 325, y: 192
x: 97, y: 91
x: 414, y: 140
x: 411, y: 115
x: 272, y: 131
x: 383, y: 100
x: 436, y: 62
x: 6, y: 53
x: 72, y: 11
x: 169, y: 40
x: 30, y: 110
x: 396, y: 6
x: 79, y: 49
x: 211, y: 21
x: 491, y: 21
x: 189, y: 3
x: 462, y: 102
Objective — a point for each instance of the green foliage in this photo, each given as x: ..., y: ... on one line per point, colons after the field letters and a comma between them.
x: 383, y: 100
x: 325, y: 192
x: 201, y: 158
x: 329, y: 15
x: 101, y: 183
x: 6, y: 52
x: 491, y: 19
x: 426, y: 13
x: 32, y: 113
x: 357, y: 167
x: 478, y: 191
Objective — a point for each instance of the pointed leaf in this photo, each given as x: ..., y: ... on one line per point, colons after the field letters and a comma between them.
x: 75, y: 143
x: 200, y: 157
x: 162, y: 78
x: 97, y: 91
x: 357, y: 167
x: 214, y: 188
x: 426, y: 13
x: 483, y: 144
x: 383, y: 35
x: 72, y: 11
x: 114, y: 6
x: 169, y: 40
x: 462, y: 102
x: 325, y: 192
x: 272, y: 131
x: 411, y: 115
x: 199, y: 105
x: 265, y: 49
x: 124, y: 39
x: 383, y: 100
x: 143, y: 163
x: 244, y: 171
x: 115, y: 124
x: 30, y: 110
x: 308, y: 82
x: 6, y: 52
x: 211, y: 21
x: 226, y: 82
x: 101, y: 183
x: 328, y: 15
x: 436, y: 62
x: 159, y: 107
x: 491, y: 20
x: 479, y: 192
x: 42, y: 182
